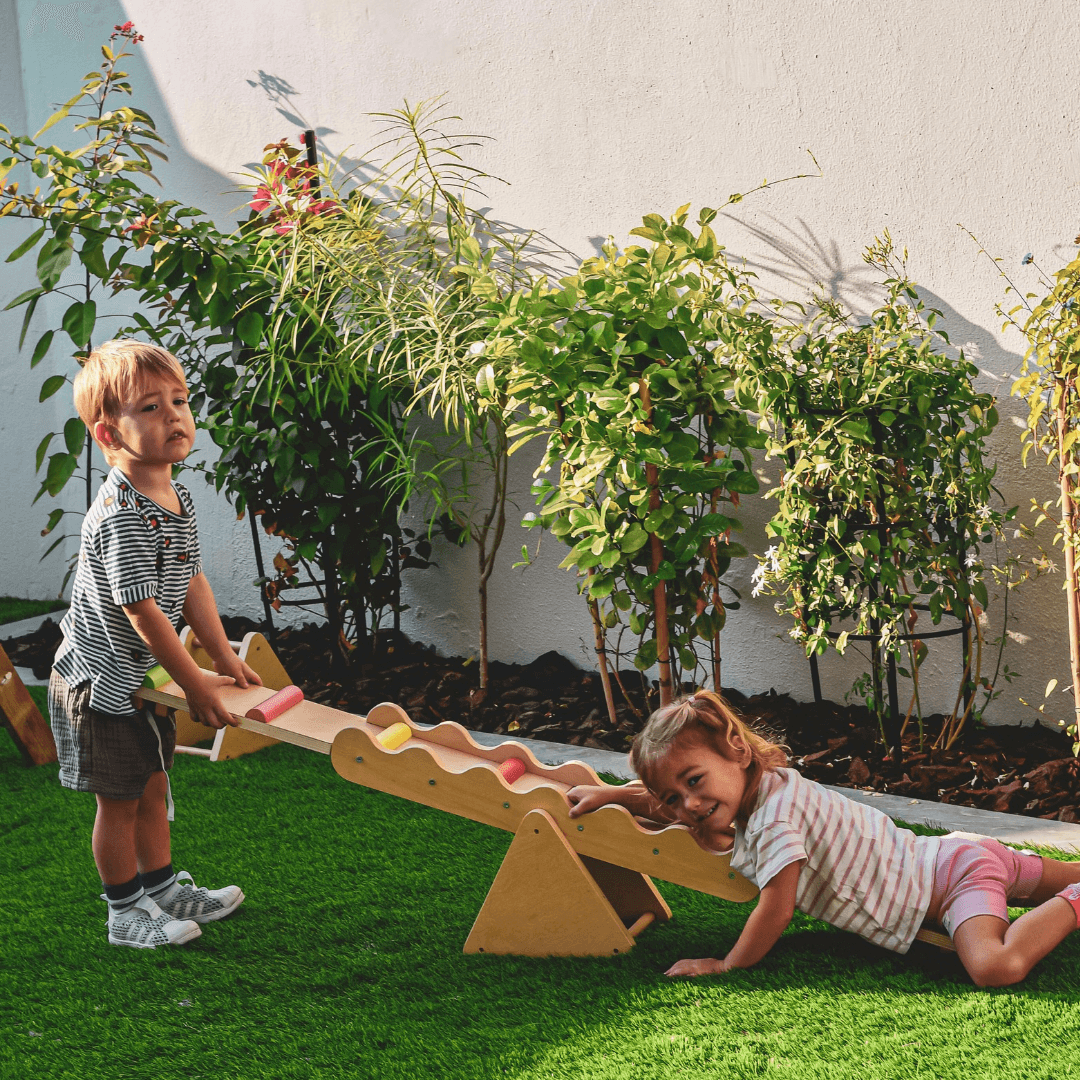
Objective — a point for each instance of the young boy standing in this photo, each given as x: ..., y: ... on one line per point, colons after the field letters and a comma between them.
x: 139, y: 570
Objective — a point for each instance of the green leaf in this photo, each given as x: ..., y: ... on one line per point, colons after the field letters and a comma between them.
x: 61, y: 467
x: 41, y: 348
x: 74, y: 435
x: 79, y: 320
x: 249, y: 328
x: 26, y: 245
x: 53, y: 259
x: 43, y: 449
x: 50, y: 386
x: 23, y: 297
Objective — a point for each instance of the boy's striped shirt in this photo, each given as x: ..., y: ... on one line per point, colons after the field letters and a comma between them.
x: 131, y: 549
x: 862, y: 873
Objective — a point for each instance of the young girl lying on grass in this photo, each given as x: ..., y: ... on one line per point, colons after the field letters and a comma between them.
x: 832, y: 858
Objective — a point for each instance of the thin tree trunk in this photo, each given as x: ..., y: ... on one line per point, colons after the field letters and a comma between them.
x: 1068, y: 528
x: 601, y: 659
x: 656, y: 556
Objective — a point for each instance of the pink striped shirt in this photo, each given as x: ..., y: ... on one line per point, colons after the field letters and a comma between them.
x: 862, y: 872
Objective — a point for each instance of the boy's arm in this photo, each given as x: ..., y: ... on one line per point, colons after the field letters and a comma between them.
x: 199, y: 686
x: 201, y: 613
x: 767, y: 922
x: 634, y: 796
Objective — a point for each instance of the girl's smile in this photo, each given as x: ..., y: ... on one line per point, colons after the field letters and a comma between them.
x: 701, y: 787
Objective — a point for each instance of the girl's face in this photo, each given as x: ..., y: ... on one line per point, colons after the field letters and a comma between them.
x: 703, y: 787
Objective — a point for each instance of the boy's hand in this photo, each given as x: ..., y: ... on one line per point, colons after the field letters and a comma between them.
x: 692, y: 968
x: 204, y: 702
x: 237, y: 670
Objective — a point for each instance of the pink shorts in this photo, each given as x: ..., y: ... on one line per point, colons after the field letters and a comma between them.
x: 980, y: 877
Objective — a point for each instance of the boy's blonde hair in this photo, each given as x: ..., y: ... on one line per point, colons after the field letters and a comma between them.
x: 709, y: 717
x: 113, y: 374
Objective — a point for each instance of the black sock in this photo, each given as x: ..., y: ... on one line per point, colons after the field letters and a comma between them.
x: 157, y: 881
x: 121, y: 897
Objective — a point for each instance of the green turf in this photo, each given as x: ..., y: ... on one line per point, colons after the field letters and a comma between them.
x: 12, y: 609
x: 346, y: 961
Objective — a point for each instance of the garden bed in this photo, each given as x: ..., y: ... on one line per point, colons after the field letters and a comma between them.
x: 1019, y: 770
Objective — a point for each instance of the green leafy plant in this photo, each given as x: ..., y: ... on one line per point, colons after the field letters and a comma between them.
x: 88, y: 206
x: 400, y: 276
x: 626, y: 369
x: 885, y: 494
x: 1048, y: 382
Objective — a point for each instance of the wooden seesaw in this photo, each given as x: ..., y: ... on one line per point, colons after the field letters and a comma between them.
x: 566, y: 887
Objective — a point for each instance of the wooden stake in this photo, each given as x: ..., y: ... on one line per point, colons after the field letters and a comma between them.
x: 20, y: 716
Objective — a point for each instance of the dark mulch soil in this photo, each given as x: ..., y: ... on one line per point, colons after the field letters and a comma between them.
x: 1029, y: 770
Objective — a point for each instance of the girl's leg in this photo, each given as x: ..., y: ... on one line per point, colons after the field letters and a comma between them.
x: 152, y: 843
x: 1055, y: 877
x: 997, y: 953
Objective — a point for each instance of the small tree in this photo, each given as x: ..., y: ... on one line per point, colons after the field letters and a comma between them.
x: 1049, y: 383
x: 626, y: 369
x: 885, y: 493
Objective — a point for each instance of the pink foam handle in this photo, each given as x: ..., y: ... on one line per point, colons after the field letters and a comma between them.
x: 274, y: 706
x: 512, y: 769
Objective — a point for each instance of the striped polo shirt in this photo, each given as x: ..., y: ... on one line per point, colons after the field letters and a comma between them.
x: 131, y: 549
x: 862, y: 872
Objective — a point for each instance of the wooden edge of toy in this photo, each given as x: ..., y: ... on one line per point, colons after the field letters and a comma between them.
x: 270, y: 731
x: 935, y: 937
x: 456, y: 737
x: 463, y: 784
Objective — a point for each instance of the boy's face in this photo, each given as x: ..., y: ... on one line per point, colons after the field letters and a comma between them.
x: 155, y: 429
x: 702, y: 787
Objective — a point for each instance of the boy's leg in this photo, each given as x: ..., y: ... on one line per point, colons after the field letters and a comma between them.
x: 114, y: 839
x: 152, y: 840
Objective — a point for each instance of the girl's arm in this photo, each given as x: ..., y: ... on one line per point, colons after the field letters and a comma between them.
x: 634, y: 796
x: 767, y: 922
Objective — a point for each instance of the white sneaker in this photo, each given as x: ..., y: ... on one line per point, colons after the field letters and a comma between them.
x: 145, y: 926
x: 184, y: 901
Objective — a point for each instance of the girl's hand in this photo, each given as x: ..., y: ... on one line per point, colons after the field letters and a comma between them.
x: 697, y: 967
x: 585, y: 798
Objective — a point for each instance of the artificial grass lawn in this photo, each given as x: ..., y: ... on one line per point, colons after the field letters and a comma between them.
x: 345, y: 961
x: 13, y: 609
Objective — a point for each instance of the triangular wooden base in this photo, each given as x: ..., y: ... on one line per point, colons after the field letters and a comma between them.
x: 546, y: 900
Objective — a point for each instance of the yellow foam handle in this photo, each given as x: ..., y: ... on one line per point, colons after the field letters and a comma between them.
x: 156, y: 678
x: 395, y: 735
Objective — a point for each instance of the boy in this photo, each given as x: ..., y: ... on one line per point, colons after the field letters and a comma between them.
x: 139, y: 569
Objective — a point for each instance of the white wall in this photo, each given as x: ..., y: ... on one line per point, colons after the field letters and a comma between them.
x: 922, y: 115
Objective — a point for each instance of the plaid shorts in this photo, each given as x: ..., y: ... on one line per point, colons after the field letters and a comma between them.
x: 113, y: 756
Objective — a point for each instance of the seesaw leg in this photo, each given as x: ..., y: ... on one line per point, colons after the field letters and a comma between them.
x: 546, y: 900
x: 255, y: 651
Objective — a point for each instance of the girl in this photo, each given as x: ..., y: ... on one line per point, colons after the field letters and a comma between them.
x: 835, y: 859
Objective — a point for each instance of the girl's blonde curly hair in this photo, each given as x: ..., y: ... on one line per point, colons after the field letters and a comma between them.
x: 709, y: 717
